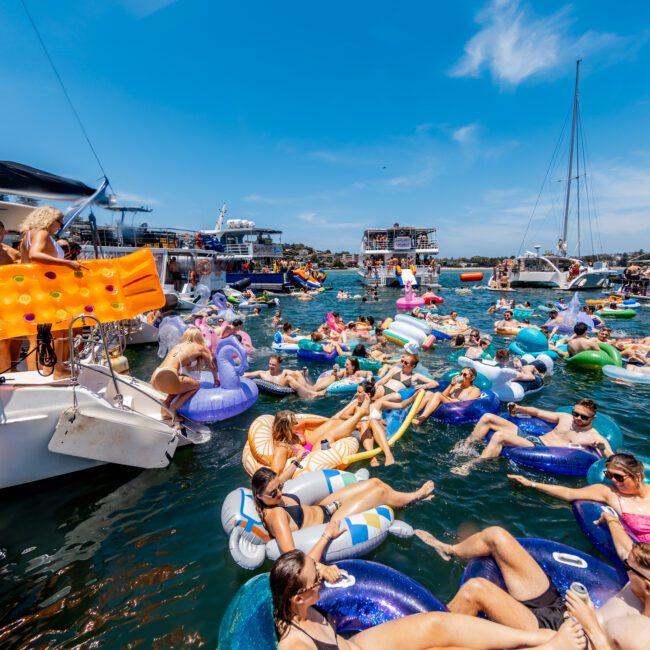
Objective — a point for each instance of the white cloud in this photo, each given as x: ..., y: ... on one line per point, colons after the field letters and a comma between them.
x: 310, y: 217
x: 415, y: 180
x: 514, y: 45
x: 465, y: 134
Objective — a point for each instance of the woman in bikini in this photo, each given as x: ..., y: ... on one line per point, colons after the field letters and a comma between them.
x: 283, y: 513
x: 628, y: 495
x: 461, y: 389
x: 371, y: 428
x: 300, y: 624
x: 350, y: 371
x: 39, y: 246
x: 293, y: 437
x: 171, y: 376
x: 395, y: 379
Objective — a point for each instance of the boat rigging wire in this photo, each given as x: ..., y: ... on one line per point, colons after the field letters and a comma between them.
x: 541, y: 189
x: 65, y: 91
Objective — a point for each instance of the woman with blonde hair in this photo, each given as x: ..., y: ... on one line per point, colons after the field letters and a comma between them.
x: 170, y: 376
x: 38, y: 246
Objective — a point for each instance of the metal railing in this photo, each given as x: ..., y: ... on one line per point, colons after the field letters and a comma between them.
x: 429, y: 245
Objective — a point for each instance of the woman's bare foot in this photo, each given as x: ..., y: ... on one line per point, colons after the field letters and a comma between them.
x: 390, y: 460
x: 465, y: 468
x: 374, y: 462
x: 442, y: 549
x: 570, y: 636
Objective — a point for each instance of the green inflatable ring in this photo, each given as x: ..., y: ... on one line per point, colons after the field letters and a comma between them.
x: 595, y: 360
x: 616, y: 313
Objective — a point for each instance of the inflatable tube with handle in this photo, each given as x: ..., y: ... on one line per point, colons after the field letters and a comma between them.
x: 373, y: 594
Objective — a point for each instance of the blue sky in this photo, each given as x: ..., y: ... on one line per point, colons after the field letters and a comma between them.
x: 323, y: 119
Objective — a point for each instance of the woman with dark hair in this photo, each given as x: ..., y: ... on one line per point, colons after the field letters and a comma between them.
x: 301, y: 625
x: 371, y: 428
x: 628, y: 495
x: 350, y: 371
x: 283, y: 514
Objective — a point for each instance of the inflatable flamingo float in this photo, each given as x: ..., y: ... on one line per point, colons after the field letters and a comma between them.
x: 410, y: 298
x: 235, y: 393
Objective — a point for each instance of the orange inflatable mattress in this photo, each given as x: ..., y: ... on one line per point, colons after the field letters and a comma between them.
x: 108, y: 289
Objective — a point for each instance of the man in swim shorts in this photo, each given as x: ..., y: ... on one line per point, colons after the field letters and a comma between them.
x: 575, y: 428
x: 276, y: 374
x: 580, y: 341
x: 531, y: 601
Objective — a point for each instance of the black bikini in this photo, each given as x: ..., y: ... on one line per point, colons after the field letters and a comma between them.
x: 321, y: 645
x: 297, y: 514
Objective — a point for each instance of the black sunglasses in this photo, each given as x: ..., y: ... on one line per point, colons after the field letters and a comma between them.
x: 274, y: 493
x: 619, y: 478
x: 627, y: 566
x: 582, y: 416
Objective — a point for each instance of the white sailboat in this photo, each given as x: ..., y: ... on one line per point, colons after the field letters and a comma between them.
x: 558, y: 270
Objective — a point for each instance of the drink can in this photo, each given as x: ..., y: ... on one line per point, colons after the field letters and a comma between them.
x: 580, y: 590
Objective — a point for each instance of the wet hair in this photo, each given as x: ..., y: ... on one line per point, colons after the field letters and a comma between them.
x: 369, y: 387
x: 459, y: 340
x: 627, y: 463
x: 287, y: 326
x: 588, y: 404
x: 360, y: 351
x: 354, y: 362
x: 237, y: 322
x: 193, y: 335
x: 553, y: 313
x: 260, y: 480
x: 641, y: 553
x: 370, y: 320
x: 285, y: 584
x: 282, y: 428
x: 580, y: 328
x: 277, y: 357
x: 317, y: 337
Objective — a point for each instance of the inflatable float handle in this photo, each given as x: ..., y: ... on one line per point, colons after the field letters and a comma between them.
x: 345, y: 581
x: 247, y: 554
x: 569, y: 559
x: 401, y: 529
x: 362, y: 474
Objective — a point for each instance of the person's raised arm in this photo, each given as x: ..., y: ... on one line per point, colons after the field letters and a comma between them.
x: 425, y: 382
x: 37, y: 251
x: 253, y: 374
x: 622, y: 541
x: 279, y: 460
x: 598, y: 492
x: 548, y: 416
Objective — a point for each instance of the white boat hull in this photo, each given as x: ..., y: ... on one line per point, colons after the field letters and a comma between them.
x: 31, y: 407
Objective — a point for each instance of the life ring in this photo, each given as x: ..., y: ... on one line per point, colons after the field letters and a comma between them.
x: 596, y: 359
x: 273, y: 389
x: 203, y: 266
x: 259, y: 448
x: 250, y: 542
x: 465, y: 412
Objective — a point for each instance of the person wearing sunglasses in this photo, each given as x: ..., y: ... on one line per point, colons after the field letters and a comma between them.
x: 575, y: 428
x: 300, y: 624
x: 394, y: 379
x: 39, y: 246
x: 283, y: 513
x: 627, y: 495
x: 507, y: 322
x: 461, y: 389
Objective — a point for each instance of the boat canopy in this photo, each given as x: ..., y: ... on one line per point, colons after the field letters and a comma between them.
x: 22, y: 180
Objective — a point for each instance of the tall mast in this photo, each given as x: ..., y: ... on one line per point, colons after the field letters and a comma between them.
x: 563, y: 242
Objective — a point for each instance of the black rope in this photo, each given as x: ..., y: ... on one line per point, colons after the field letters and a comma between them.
x: 65, y: 92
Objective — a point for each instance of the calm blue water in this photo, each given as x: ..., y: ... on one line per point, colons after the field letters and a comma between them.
x: 121, y: 558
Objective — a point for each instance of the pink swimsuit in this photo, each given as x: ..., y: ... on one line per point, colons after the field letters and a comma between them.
x: 636, y: 525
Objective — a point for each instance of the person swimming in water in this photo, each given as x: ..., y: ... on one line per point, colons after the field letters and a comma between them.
x: 575, y: 428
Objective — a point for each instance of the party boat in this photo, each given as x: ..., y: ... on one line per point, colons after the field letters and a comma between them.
x: 393, y: 256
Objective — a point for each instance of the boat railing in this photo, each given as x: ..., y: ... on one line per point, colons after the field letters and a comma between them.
x: 389, y: 271
x: 238, y: 249
x: 388, y: 245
